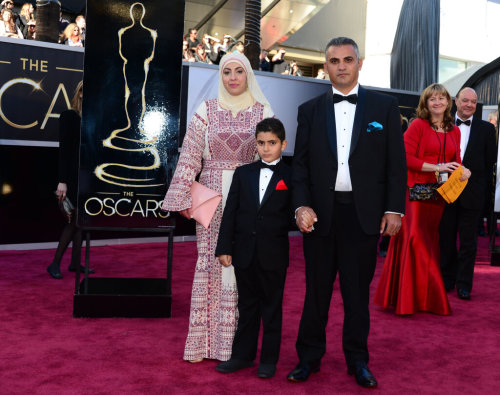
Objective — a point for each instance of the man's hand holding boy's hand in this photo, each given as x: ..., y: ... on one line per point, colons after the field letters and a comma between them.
x: 225, y: 260
x: 305, y: 218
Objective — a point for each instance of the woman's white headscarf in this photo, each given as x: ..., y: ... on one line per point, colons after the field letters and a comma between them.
x: 247, y: 98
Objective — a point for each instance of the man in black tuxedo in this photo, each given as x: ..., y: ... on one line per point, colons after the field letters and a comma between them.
x: 478, y: 152
x: 349, y: 181
x: 253, y: 237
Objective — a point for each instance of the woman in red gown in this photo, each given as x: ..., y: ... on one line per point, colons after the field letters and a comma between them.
x: 411, y: 279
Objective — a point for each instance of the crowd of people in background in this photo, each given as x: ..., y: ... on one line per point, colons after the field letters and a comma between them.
x: 72, y: 34
x: 22, y: 25
x: 211, y: 49
x: 11, y: 24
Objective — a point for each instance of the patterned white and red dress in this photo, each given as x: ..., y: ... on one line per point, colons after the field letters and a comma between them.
x: 216, y: 143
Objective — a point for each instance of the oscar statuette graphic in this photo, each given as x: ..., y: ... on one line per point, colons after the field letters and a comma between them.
x: 140, y: 135
x: 130, y: 112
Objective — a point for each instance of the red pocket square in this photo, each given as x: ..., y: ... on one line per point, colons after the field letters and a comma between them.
x: 281, y: 186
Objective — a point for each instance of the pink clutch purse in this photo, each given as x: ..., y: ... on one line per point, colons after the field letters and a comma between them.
x: 204, y: 203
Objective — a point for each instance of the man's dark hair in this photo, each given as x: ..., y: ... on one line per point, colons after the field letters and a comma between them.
x: 272, y: 125
x: 339, y: 41
x: 191, y: 30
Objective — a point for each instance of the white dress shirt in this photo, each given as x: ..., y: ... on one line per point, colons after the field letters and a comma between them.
x: 265, y: 177
x: 344, y: 121
x: 464, y: 136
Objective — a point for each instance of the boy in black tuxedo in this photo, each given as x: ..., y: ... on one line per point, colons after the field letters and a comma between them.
x: 253, y: 237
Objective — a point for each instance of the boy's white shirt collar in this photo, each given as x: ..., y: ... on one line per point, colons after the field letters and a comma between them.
x: 271, y: 163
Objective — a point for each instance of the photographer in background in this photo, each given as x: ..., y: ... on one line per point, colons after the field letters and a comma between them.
x: 279, y: 64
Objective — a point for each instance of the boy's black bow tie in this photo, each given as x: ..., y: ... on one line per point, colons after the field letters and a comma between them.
x: 353, y: 99
x: 459, y: 122
x: 266, y: 166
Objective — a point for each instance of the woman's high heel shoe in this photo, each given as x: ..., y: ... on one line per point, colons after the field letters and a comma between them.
x: 55, y: 272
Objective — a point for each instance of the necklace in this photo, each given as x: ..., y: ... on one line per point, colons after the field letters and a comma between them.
x: 438, y: 128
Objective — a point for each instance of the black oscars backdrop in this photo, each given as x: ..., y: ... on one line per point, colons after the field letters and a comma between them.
x: 36, y: 84
x: 130, y: 117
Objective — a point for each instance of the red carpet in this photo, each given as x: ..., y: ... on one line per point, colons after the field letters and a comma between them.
x: 46, y: 351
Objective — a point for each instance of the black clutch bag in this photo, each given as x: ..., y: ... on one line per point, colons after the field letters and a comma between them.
x: 66, y: 207
x: 424, y: 191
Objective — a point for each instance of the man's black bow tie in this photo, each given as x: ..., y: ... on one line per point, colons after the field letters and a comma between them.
x: 353, y: 99
x: 266, y: 166
x: 459, y: 122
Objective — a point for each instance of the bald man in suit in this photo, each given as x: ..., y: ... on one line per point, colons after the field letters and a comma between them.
x: 478, y: 151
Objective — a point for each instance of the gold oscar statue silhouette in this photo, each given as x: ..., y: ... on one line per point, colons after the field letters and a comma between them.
x: 135, y: 136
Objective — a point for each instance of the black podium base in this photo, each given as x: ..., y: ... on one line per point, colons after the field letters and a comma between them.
x: 123, y: 297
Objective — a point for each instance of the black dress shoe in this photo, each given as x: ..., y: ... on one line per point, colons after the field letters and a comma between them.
x: 55, y: 272
x: 266, y: 370
x: 481, y: 232
x: 233, y: 365
x: 463, y: 294
x: 82, y: 269
x: 362, y: 374
x: 302, y: 371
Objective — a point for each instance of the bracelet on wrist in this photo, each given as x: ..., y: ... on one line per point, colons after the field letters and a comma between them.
x: 436, y: 172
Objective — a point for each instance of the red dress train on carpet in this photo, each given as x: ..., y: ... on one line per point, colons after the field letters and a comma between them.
x: 411, y: 279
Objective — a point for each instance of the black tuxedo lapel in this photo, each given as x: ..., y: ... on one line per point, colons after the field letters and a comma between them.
x: 473, y: 136
x: 331, y: 128
x: 271, y: 186
x: 358, y: 118
x: 254, y: 182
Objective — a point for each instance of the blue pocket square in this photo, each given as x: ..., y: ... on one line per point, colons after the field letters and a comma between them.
x: 374, y: 127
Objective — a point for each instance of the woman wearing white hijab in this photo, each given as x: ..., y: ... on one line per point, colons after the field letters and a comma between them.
x: 219, y: 138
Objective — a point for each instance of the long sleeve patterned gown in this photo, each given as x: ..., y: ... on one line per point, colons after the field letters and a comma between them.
x: 216, y: 143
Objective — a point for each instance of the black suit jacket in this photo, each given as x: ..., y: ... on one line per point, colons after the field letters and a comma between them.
x: 251, y: 229
x: 479, y: 158
x: 377, y: 162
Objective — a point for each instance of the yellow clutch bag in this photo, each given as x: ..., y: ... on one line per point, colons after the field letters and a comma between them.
x: 451, y: 189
